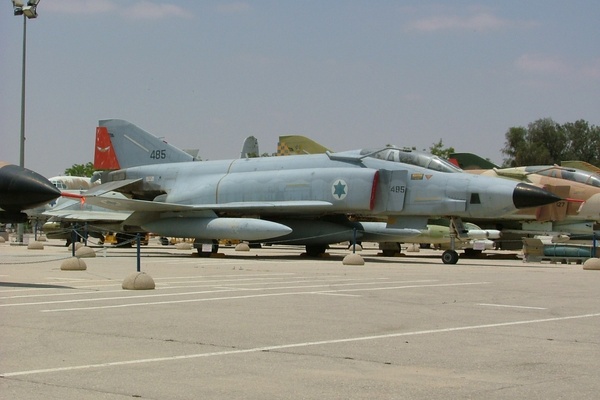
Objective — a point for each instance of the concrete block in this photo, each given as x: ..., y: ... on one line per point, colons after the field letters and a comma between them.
x: 73, y: 264
x: 138, y: 281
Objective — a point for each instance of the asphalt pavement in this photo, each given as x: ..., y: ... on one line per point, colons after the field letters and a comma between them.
x: 271, y: 324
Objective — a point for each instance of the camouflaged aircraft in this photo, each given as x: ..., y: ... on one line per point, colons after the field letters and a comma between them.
x: 578, y: 214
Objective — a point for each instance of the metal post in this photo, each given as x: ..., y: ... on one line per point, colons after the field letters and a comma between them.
x: 21, y: 226
x: 73, y: 239
x: 22, y: 140
x: 137, y: 240
x: 353, y: 240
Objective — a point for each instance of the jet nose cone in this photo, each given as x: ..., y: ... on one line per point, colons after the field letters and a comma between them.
x: 21, y: 188
x: 525, y: 196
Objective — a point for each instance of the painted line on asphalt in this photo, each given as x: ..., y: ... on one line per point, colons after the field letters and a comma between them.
x: 294, y: 345
x: 215, y: 284
x: 250, y: 296
x: 510, y: 306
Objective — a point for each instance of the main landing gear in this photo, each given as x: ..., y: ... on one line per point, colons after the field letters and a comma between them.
x: 450, y: 257
x: 457, y: 229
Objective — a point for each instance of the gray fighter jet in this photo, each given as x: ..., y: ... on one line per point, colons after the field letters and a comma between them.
x: 312, y: 200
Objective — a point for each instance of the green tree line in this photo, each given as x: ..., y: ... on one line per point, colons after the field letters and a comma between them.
x: 546, y: 142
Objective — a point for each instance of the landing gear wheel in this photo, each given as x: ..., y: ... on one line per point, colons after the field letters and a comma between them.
x: 450, y: 257
x: 123, y: 240
x: 315, y: 250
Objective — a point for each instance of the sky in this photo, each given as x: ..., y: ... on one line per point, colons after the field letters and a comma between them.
x: 346, y: 73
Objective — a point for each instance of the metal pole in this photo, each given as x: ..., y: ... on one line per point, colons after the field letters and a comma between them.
x: 137, y: 240
x: 73, y: 239
x: 21, y: 226
x: 22, y: 140
x: 353, y: 240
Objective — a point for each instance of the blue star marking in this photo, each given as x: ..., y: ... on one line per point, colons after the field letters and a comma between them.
x: 339, y: 189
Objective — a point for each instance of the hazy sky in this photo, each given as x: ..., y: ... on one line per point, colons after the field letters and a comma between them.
x: 349, y: 74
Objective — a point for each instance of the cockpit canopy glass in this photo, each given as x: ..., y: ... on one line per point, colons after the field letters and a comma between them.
x: 570, y: 174
x: 413, y: 157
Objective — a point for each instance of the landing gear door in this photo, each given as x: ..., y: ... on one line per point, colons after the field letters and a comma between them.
x: 392, y: 190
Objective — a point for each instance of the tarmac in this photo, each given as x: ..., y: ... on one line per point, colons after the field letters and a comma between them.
x: 270, y: 324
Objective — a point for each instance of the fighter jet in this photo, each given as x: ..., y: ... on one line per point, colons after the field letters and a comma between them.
x: 296, y: 200
x: 22, y: 189
x: 577, y: 216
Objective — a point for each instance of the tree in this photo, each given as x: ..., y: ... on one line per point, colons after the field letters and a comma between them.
x: 584, y: 142
x: 81, y: 170
x: 437, y: 149
x: 546, y: 142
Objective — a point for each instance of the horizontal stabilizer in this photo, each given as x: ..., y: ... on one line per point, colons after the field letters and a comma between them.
x: 112, y: 186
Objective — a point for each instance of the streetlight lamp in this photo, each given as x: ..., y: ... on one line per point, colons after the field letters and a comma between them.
x: 28, y: 11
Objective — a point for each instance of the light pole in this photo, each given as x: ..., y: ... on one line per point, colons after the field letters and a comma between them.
x: 28, y: 11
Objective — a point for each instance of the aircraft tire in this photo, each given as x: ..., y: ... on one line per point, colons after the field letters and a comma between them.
x: 315, y: 250
x: 123, y: 240
x: 450, y: 257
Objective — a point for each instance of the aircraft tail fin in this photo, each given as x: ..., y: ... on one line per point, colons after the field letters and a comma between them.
x: 132, y: 146
x: 581, y: 165
x: 104, y: 153
x: 470, y: 161
x: 298, y: 144
x: 250, y: 148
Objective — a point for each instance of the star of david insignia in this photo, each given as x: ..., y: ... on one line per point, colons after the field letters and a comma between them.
x: 339, y: 189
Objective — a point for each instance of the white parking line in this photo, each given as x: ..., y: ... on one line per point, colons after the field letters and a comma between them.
x: 178, y: 285
x: 293, y: 345
x: 509, y: 306
x: 133, y: 295
x: 242, y: 296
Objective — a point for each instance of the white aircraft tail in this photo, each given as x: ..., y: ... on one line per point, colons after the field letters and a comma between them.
x: 121, y: 144
x: 250, y: 148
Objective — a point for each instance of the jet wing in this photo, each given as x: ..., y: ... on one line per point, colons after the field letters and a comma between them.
x: 83, y: 215
x: 75, y: 210
x: 152, y: 206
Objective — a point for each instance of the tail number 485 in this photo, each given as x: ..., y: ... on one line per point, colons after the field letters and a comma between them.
x: 158, y: 154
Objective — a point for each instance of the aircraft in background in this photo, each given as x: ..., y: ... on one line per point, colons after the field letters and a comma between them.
x: 302, y: 200
x: 582, y: 165
x: 291, y: 145
x: 70, y: 187
x: 472, y: 162
x: 72, y: 183
x: 250, y: 148
x: 22, y: 189
x: 95, y: 221
x: 578, y: 217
